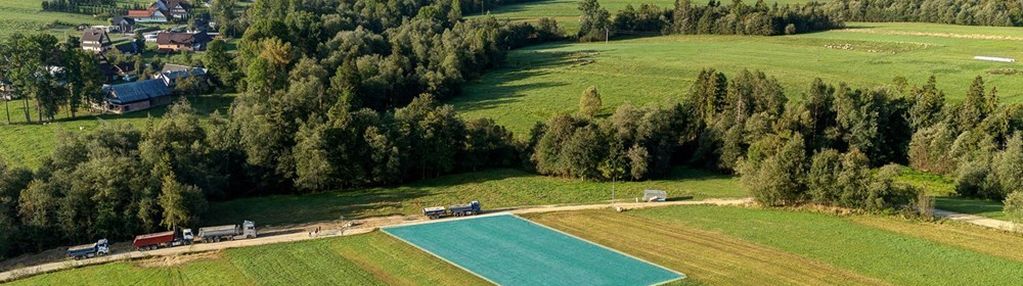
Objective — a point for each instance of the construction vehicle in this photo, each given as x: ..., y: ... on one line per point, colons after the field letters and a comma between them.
x: 100, y: 248
x: 163, y: 239
x: 227, y: 232
x: 471, y: 208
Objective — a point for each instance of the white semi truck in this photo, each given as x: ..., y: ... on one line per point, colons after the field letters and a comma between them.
x: 247, y: 229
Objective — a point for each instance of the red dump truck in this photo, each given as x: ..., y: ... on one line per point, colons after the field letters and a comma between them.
x: 162, y: 239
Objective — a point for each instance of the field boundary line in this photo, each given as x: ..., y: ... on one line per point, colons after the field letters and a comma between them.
x: 681, y: 275
x: 438, y: 256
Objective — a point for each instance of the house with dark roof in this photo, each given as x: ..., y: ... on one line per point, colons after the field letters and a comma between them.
x: 174, y: 42
x: 122, y: 24
x: 171, y: 73
x: 135, y: 96
x: 95, y: 40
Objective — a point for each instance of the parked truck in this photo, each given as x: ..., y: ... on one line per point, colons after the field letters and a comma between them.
x: 100, y: 248
x: 163, y: 239
x: 468, y: 209
x: 227, y: 232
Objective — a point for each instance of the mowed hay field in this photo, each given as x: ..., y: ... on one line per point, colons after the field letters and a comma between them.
x: 743, y: 246
x: 368, y: 259
x: 566, y: 12
x: 27, y: 16
x: 26, y: 145
x: 494, y: 189
x: 538, y: 82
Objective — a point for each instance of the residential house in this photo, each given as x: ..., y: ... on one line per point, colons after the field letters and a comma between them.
x: 177, y: 9
x: 135, y: 96
x: 140, y: 95
x: 129, y: 48
x: 171, y: 73
x: 151, y: 15
x: 123, y: 24
x: 175, y: 42
x: 95, y: 40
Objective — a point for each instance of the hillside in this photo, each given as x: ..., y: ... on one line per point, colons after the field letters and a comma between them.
x: 538, y: 82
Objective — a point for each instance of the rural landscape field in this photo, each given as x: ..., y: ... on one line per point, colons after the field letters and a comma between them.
x: 511, y: 142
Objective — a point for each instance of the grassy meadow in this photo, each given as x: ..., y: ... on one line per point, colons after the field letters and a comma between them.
x: 26, y: 145
x: 368, y: 259
x: 742, y: 246
x: 566, y: 12
x: 494, y: 189
x: 27, y: 16
x: 540, y: 81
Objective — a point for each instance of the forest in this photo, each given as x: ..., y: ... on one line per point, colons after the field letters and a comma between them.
x: 959, y: 12
x: 738, y: 18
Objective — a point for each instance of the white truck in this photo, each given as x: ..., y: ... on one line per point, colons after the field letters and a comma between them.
x: 227, y: 232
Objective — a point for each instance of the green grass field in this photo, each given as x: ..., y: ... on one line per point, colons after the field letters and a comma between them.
x: 741, y: 246
x: 27, y: 144
x: 369, y: 259
x: 27, y: 16
x: 945, y: 198
x: 566, y: 12
x: 494, y: 189
x: 540, y: 81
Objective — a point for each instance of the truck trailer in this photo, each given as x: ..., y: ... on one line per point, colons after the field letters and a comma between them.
x: 100, y: 248
x: 471, y: 208
x: 163, y: 239
x: 227, y: 232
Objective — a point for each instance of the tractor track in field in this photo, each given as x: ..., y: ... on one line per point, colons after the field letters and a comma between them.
x: 304, y: 232
x: 714, y: 257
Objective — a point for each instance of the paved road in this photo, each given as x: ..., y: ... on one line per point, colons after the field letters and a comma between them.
x: 328, y: 229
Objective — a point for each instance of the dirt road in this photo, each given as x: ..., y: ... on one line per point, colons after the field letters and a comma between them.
x: 327, y: 229
x: 979, y: 220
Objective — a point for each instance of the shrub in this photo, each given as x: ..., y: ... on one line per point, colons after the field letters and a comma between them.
x: 1014, y: 206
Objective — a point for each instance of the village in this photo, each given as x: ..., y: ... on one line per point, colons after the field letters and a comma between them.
x: 144, y: 56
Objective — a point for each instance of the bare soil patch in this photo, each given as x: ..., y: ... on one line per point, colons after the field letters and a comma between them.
x: 165, y: 261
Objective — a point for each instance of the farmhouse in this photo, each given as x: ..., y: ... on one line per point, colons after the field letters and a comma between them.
x: 134, y: 96
x: 151, y: 15
x: 177, y: 9
x: 171, y: 73
x: 175, y: 42
x: 95, y: 40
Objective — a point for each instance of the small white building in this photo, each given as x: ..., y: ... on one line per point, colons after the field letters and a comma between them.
x: 655, y: 196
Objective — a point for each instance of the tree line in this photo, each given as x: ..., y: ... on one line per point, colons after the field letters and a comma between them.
x: 959, y: 12
x: 738, y: 18
x: 108, y: 7
x: 840, y: 146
